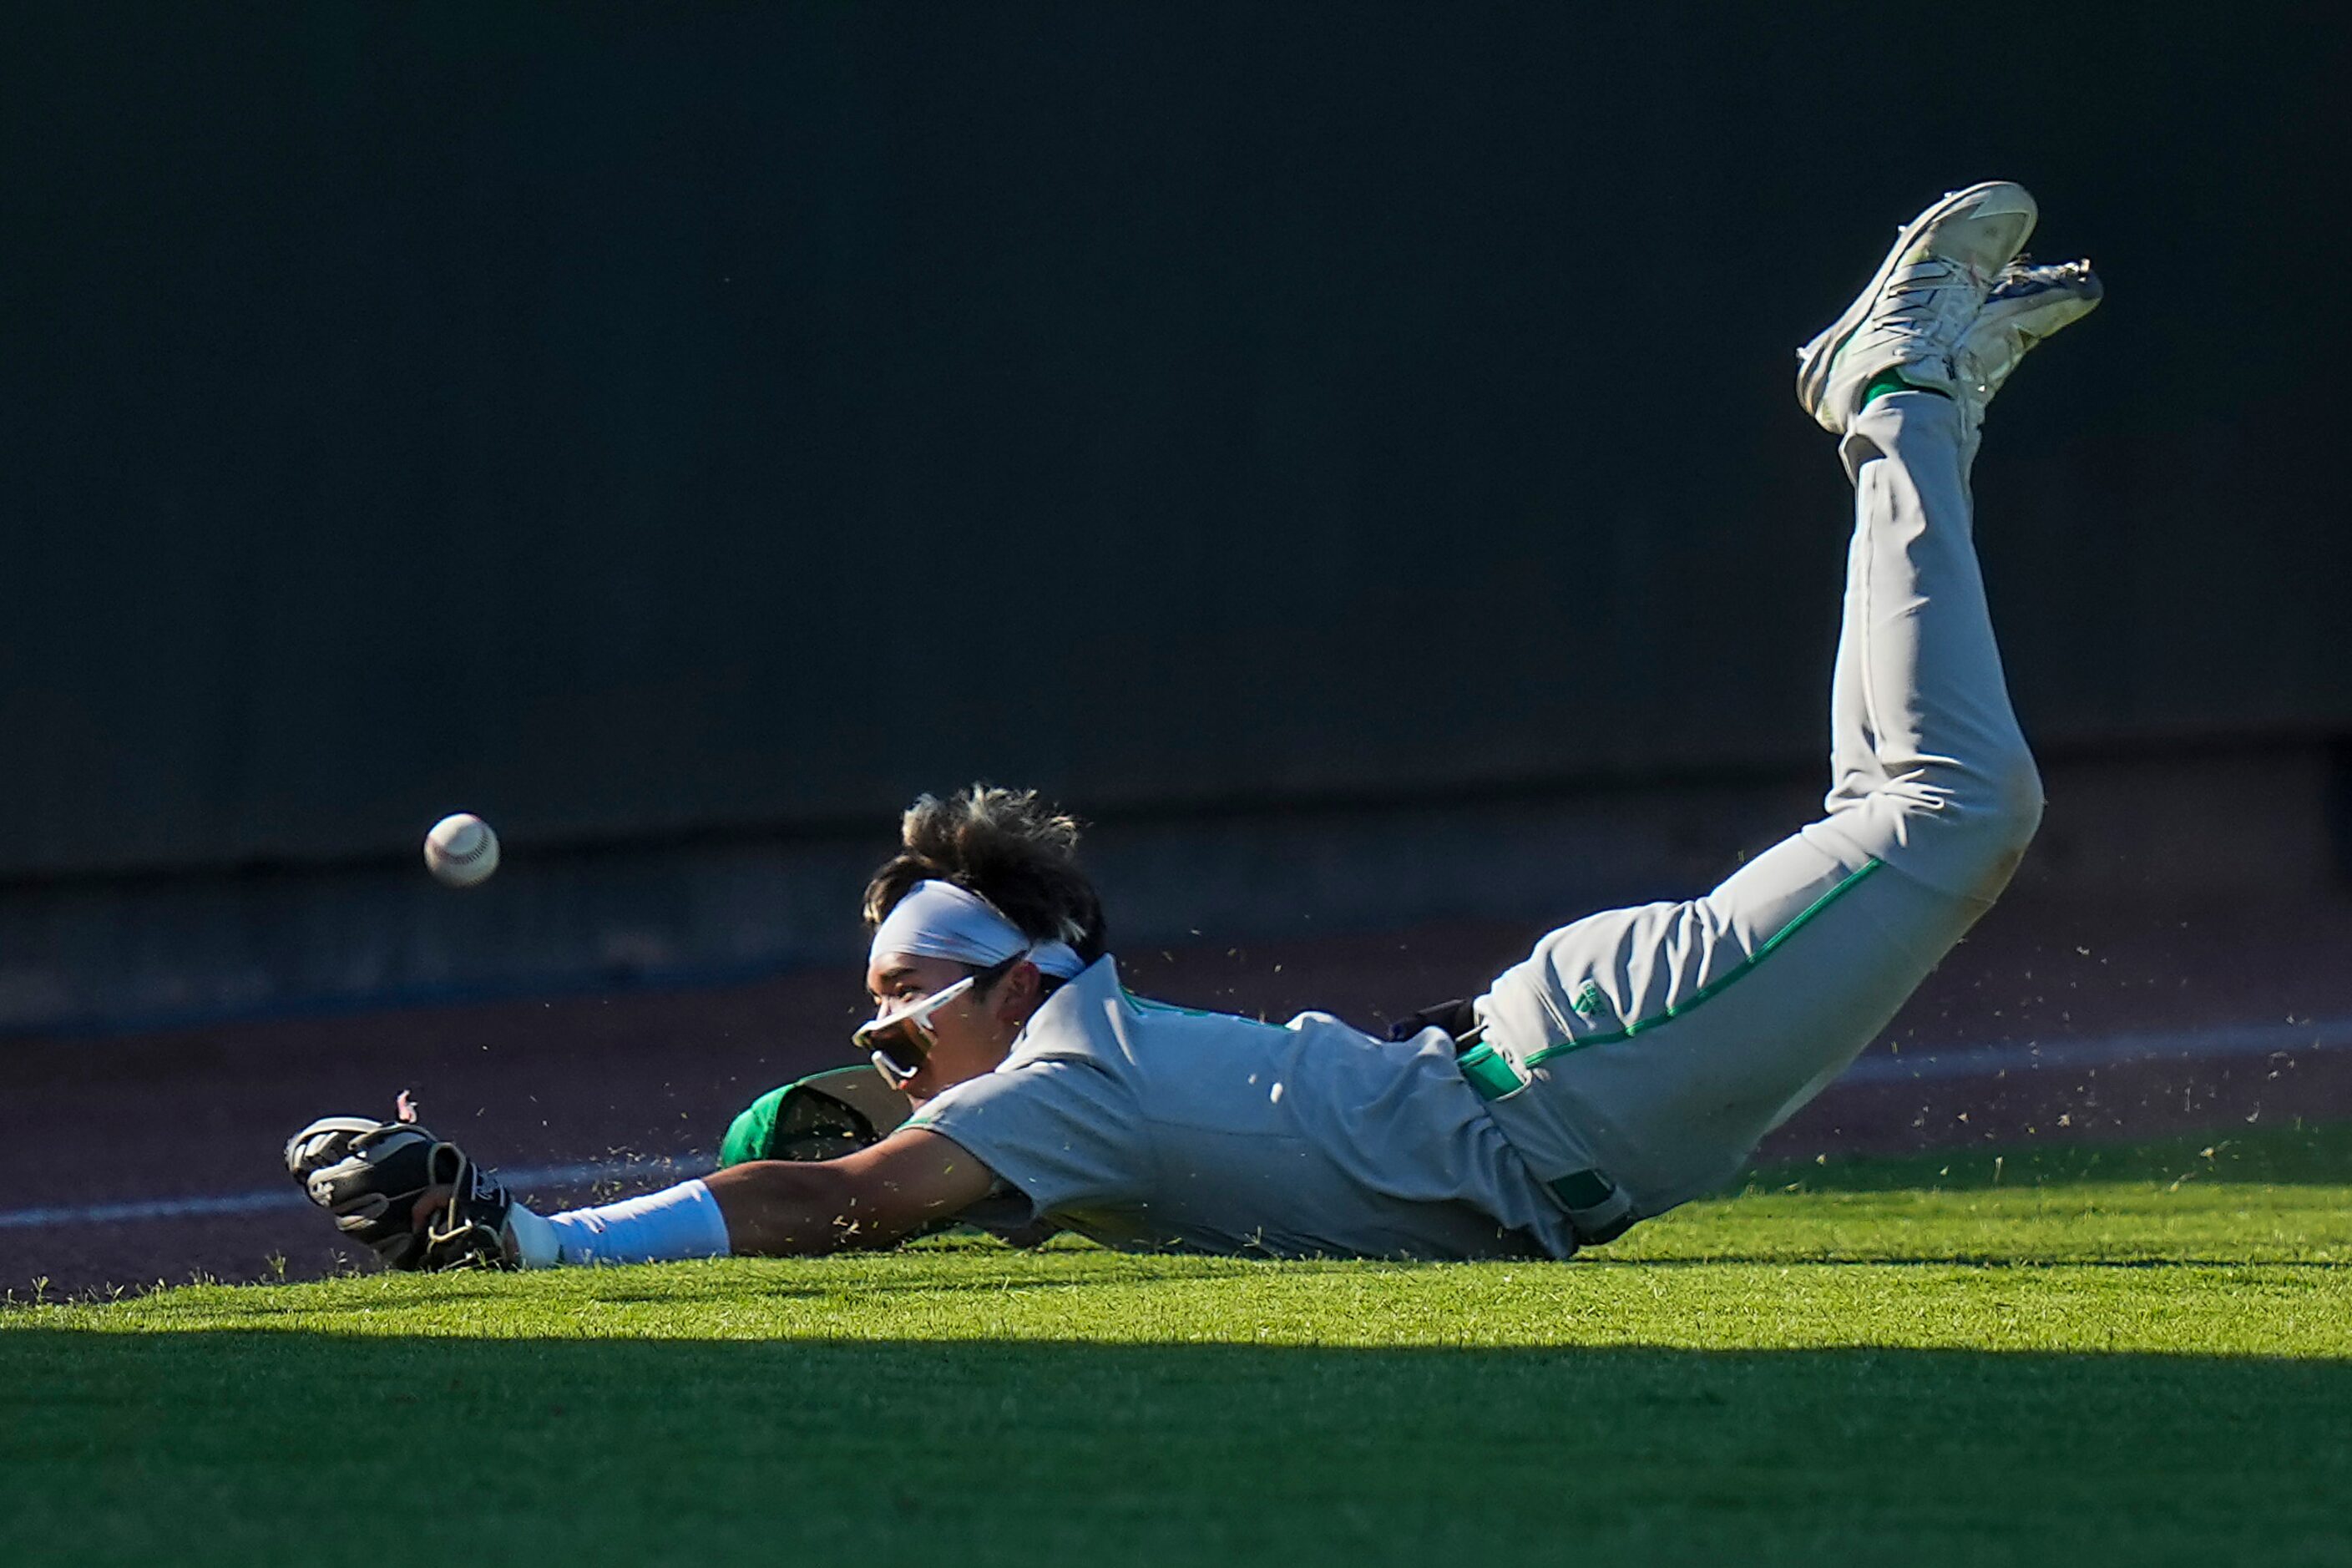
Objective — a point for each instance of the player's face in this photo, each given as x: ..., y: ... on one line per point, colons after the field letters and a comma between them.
x: 967, y: 1036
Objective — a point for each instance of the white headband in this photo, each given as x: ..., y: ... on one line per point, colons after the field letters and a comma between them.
x: 939, y: 920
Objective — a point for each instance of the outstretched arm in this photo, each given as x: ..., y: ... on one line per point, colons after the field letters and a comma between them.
x: 768, y: 1208
x: 875, y: 1197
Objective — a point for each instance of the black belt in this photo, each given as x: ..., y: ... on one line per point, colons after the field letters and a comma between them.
x: 1598, y: 1209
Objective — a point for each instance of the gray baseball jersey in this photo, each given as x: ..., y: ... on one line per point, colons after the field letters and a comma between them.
x: 1146, y: 1126
x: 1636, y: 1056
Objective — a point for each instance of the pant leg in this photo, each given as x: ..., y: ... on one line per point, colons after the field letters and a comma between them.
x: 1660, y: 1043
x: 1930, y: 773
x: 1855, y: 766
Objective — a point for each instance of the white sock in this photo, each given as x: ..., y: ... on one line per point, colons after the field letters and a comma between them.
x: 678, y: 1222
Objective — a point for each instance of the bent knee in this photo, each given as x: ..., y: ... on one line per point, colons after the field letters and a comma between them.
x: 2007, y: 799
x: 1959, y: 830
x: 1988, y: 816
x: 1984, y: 812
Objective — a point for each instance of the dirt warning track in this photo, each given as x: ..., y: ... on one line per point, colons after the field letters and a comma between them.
x: 155, y: 1157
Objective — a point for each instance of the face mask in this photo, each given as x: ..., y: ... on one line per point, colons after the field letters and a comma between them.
x: 899, y: 1042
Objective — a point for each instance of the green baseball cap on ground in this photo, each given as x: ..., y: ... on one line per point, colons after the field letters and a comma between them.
x: 753, y: 1132
x: 820, y: 1117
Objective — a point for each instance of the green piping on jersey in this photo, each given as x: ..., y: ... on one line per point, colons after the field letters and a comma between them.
x: 1713, y: 987
x: 1141, y: 1004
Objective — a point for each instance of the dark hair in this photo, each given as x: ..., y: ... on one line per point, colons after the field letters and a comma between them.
x: 1008, y: 846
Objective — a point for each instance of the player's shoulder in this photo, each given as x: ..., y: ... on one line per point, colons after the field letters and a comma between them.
x: 1096, y: 1018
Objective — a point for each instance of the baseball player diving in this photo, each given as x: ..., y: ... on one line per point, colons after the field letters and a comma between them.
x: 1629, y: 1064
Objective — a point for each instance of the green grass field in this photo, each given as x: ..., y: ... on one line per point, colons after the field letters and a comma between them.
x: 2138, y: 1356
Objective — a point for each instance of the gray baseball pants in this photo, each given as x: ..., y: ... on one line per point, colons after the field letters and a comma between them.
x: 1638, y: 1054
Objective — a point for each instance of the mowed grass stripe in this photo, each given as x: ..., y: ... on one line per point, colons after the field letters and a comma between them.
x: 223, y: 1447
x: 1899, y: 1272
x: 2151, y: 1369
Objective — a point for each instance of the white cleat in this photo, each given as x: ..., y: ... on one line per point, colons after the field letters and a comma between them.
x: 2027, y: 303
x: 1922, y: 302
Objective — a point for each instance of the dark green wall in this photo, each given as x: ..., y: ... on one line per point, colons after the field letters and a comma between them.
x: 630, y: 420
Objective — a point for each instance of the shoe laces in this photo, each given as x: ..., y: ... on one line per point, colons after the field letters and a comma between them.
x: 1928, y: 292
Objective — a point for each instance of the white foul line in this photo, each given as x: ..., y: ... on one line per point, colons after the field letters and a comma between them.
x: 2150, y: 1048
x: 2206, y: 1045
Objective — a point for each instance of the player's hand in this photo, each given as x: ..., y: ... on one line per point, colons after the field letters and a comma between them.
x: 430, y: 1205
x: 416, y: 1201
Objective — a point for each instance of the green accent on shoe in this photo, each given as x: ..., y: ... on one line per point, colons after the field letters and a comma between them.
x: 1890, y: 380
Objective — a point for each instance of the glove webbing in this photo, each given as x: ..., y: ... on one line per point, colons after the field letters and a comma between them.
x: 470, y: 1237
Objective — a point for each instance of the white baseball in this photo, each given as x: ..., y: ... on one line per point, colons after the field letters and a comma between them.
x: 461, y: 850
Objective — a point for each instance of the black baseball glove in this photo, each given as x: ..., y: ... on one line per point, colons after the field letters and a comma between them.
x: 370, y: 1175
